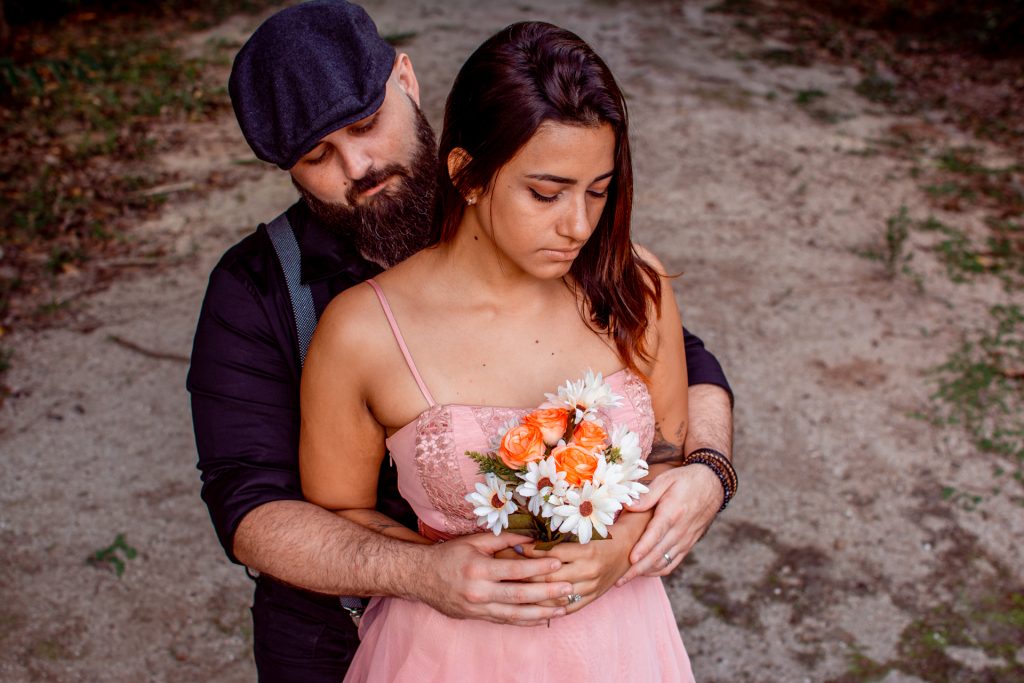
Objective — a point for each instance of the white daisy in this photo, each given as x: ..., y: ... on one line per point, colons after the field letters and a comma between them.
x: 632, y: 482
x: 539, y: 482
x: 627, y: 442
x: 586, y: 511
x: 611, y: 477
x: 634, y: 467
x: 492, y: 503
x: 586, y: 396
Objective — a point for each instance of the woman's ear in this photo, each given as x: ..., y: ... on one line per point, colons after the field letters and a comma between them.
x: 457, y: 160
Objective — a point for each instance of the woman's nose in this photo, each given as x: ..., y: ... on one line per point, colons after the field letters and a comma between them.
x: 576, y: 223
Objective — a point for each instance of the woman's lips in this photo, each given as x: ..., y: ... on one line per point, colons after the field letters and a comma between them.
x: 562, y: 254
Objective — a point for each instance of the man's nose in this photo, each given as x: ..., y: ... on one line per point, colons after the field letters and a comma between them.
x: 355, y: 161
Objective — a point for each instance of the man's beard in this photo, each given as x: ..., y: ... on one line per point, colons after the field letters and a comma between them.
x: 395, y: 223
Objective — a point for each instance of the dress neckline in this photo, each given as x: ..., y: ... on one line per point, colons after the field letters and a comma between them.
x: 441, y: 406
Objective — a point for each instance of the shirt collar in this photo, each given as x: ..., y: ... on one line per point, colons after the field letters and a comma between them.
x: 326, y: 253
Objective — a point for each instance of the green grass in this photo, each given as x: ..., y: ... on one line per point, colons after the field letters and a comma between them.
x: 981, y: 387
x: 805, y: 97
x: 113, y: 556
x: 96, y: 107
x: 891, y: 253
x: 965, y: 176
x: 877, y: 89
x: 897, y: 230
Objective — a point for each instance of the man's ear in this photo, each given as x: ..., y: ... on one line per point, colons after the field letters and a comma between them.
x: 457, y: 160
x: 406, y: 77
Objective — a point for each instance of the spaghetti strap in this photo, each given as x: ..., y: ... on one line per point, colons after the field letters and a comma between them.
x: 401, y: 342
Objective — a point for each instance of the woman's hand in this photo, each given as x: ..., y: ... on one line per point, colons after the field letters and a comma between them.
x: 592, y: 568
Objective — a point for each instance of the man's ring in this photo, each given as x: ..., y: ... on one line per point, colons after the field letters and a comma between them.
x: 574, y: 598
x: 668, y: 558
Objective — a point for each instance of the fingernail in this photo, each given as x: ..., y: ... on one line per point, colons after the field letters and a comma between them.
x: 559, y: 612
x: 554, y: 567
x: 518, y: 549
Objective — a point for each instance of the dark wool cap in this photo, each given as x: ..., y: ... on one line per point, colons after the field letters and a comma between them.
x: 306, y: 72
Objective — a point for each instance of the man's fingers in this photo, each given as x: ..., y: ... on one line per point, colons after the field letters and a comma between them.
x: 653, y: 535
x: 656, y: 489
x: 489, y: 544
x: 630, y: 574
x: 668, y: 568
x: 520, y: 570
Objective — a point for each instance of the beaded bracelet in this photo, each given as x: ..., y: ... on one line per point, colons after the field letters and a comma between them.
x: 720, y: 465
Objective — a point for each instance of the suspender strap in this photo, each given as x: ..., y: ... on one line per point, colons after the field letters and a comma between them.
x: 287, y: 247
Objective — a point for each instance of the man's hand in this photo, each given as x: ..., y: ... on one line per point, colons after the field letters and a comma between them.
x: 592, y: 568
x: 687, y: 500
x: 464, y: 580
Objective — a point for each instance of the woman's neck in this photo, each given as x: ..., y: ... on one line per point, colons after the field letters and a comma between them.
x: 476, y: 266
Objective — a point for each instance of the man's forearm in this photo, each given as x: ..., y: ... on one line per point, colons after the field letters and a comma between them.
x: 710, y: 419
x: 306, y: 546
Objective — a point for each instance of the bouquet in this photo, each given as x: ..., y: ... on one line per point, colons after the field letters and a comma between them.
x: 559, y: 473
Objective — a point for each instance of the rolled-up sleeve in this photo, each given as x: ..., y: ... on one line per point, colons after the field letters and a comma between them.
x: 701, y: 365
x: 244, y: 396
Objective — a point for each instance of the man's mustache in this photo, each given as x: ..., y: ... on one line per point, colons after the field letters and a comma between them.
x: 372, y: 179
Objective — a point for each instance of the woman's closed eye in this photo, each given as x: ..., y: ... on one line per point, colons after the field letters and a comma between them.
x: 548, y: 198
x: 544, y: 197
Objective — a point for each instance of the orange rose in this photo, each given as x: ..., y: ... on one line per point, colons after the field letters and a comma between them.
x: 589, y: 435
x: 550, y: 421
x: 521, y: 445
x: 578, y: 463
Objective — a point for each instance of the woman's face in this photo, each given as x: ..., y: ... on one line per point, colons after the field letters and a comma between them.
x: 544, y: 204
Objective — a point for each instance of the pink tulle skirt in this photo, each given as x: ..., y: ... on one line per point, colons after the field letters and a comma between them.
x: 628, y: 634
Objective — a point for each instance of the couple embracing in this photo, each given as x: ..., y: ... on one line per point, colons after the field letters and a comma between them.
x: 451, y: 286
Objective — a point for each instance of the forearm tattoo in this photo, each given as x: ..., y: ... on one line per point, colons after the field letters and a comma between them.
x: 381, y: 522
x: 663, y: 450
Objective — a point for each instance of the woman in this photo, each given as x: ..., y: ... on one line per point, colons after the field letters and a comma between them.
x: 532, y: 280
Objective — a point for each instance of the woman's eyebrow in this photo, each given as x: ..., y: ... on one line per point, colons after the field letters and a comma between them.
x: 565, y: 181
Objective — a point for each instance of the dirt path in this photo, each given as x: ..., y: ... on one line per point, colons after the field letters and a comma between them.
x: 841, y: 559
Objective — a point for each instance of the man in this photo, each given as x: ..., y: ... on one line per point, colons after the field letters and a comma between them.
x: 319, y: 93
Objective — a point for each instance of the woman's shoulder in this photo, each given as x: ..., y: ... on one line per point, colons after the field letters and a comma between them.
x: 356, y: 317
x: 352, y: 319
x: 648, y: 257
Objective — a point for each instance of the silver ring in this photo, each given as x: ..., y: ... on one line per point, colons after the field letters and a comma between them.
x: 668, y: 558
x: 575, y: 597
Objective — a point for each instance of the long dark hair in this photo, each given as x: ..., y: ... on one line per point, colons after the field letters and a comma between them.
x: 524, y: 75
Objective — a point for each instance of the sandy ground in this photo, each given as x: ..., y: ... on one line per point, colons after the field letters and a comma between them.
x: 839, y: 554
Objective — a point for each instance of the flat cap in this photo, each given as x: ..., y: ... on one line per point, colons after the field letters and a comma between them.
x: 307, y: 71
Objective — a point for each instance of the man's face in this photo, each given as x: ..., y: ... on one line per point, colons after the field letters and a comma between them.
x: 374, y: 179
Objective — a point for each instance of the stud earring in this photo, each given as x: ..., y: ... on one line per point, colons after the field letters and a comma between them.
x: 471, y: 200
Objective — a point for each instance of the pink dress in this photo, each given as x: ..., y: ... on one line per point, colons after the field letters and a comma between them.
x: 628, y: 634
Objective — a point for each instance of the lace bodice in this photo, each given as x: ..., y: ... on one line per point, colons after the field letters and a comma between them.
x: 435, y: 474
